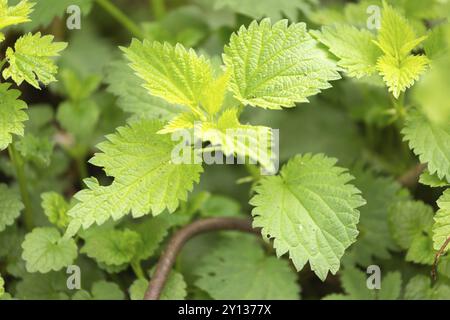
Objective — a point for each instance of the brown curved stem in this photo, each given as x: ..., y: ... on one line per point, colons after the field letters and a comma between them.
x: 178, y: 240
x: 437, y: 257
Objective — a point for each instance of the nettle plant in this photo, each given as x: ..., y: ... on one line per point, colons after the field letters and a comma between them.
x: 188, y: 105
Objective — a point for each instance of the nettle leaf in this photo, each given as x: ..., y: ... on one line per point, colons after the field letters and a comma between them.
x: 2, y: 286
x: 277, y: 65
x: 110, y: 246
x: 145, y: 178
x: 354, y: 283
x: 355, y: 48
x: 101, y: 290
x: 133, y: 97
x: 45, y: 11
x: 45, y: 250
x: 12, y: 15
x: 152, y: 232
x: 31, y: 59
x: 432, y: 180
x: 409, y: 220
x: 174, y: 288
x: 12, y: 115
x: 173, y: 73
x: 55, y: 208
x: 10, y: 206
x: 420, y: 288
x: 441, y: 227
x: 275, y: 9
x: 239, y: 269
x: 36, y: 149
x: 396, y: 38
x: 375, y: 239
x: 236, y: 139
x: 49, y: 286
x: 430, y: 142
x: 311, y: 212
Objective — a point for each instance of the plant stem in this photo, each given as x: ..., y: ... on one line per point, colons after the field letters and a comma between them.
x: 121, y: 17
x: 158, y: 8
x: 82, y: 168
x: 18, y: 163
x: 137, y: 269
x: 399, y: 105
x: 176, y: 243
x: 437, y: 257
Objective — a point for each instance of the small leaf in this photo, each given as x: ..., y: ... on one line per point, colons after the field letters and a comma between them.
x: 55, y: 208
x: 112, y: 247
x: 10, y: 206
x: 12, y: 115
x: 239, y: 269
x: 15, y: 14
x: 44, y: 250
x: 30, y: 59
x: 441, y: 227
x: 430, y: 142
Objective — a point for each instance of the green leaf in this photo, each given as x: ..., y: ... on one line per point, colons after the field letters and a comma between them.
x: 45, y: 11
x: 133, y: 97
x: 10, y: 206
x: 409, y: 220
x: 375, y: 239
x: 432, y: 180
x: 152, y: 231
x: 220, y: 206
x: 355, y: 49
x: 49, y: 286
x: 396, y: 38
x: 235, y: 139
x: 310, y: 211
x: 36, y: 149
x: 174, y: 288
x: 441, y: 227
x: 55, y: 208
x: 400, y: 76
x: 12, y: 15
x: 175, y: 74
x: 31, y: 59
x: 421, y: 250
x: 419, y: 288
x: 239, y: 269
x: 391, y: 286
x: 101, y: 290
x: 275, y: 9
x: 112, y: 247
x: 275, y: 66
x: 430, y: 142
x: 12, y: 115
x: 2, y: 286
x: 354, y: 282
x: 79, y: 118
x: 145, y: 178
x: 44, y: 250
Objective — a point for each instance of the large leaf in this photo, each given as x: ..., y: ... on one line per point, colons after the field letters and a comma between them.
x: 275, y: 66
x: 145, y: 177
x: 310, y: 212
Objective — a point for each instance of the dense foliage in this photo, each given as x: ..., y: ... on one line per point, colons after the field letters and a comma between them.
x: 96, y: 94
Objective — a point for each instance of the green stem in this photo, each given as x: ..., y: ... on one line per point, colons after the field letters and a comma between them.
x: 121, y: 18
x: 18, y: 163
x: 82, y: 168
x: 158, y: 8
x: 399, y: 105
x: 137, y: 269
